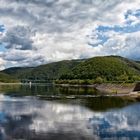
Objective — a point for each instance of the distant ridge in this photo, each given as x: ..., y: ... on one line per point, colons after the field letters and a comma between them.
x: 107, y: 67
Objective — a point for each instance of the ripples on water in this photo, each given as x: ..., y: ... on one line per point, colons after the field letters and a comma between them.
x: 28, y: 117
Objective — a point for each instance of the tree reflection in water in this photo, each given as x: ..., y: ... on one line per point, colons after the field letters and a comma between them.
x: 25, y: 116
x: 30, y: 118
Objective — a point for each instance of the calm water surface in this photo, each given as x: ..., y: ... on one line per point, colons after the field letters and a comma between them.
x: 26, y: 116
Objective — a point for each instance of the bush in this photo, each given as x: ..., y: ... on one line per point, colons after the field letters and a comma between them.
x: 99, y: 80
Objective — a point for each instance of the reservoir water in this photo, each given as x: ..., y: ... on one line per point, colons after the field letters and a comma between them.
x: 46, y: 112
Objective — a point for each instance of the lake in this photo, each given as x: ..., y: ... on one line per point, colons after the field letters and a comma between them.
x: 46, y: 112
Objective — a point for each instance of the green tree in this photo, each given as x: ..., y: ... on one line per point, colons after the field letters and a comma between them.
x: 99, y: 80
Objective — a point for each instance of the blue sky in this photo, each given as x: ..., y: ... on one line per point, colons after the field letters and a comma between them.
x: 38, y: 32
x: 2, y: 48
x: 127, y: 27
x: 2, y: 28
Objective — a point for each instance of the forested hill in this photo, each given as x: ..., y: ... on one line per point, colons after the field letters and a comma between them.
x: 17, y: 71
x: 5, y: 78
x: 49, y: 71
x: 109, y: 68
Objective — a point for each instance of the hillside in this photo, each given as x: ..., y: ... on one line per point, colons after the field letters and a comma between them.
x: 17, y: 72
x: 54, y: 70
x: 108, y: 68
x: 5, y: 78
x: 48, y: 71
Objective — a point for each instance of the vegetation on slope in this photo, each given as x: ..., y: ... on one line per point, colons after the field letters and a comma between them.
x: 5, y: 78
x: 18, y: 72
x: 44, y: 72
x: 54, y: 70
x: 93, y: 70
x: 109, y: 68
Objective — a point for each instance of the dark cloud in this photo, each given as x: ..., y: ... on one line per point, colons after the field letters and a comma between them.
x: 60, y: 15
x: 56, y: 29
x: 15, y: 57
x: 35, y: 61
x: 19, y: 14
x: 18, y: 37
x: 36, y: 2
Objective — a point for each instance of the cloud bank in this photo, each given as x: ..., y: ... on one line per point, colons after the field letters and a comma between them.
x: 35, y: 32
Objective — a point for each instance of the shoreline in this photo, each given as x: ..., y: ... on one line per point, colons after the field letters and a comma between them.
x: 10, y: 83
x: 133, y: 96
x: 106, y: 89
x: 110, y: 88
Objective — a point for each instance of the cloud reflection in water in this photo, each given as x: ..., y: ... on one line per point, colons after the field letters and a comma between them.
x: 30, y: 118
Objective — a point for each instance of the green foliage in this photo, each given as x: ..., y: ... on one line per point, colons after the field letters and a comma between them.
x: 44, y: 72
x: 123, y: 77
x: 89, y: 71
x: 106, y: 67
x: 5, y: 78
x: 75, y: 82
x: 99, y: 80
x: 135, y: 78
x: 18, y: 72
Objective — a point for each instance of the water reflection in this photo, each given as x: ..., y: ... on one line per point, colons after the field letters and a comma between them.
x: 117, y: 124
x: 82, y: 95
x: 30, y: 118
x: 23, y: 115
x: 43, y: 89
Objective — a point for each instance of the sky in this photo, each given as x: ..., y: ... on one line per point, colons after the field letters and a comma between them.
x: 35, y: 32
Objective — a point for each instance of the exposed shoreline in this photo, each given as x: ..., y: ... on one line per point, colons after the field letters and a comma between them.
x: 109, y: 88
x: 125, y: 91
